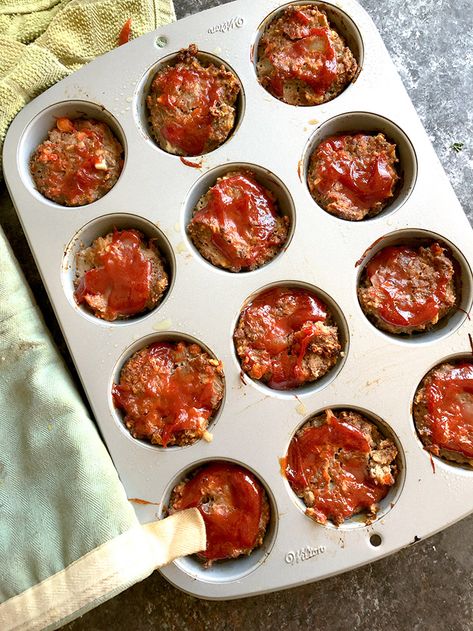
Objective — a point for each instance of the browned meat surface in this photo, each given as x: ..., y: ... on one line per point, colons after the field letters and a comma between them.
x: 302, y: 60
x: 237, y: 224
x: 78, y: 163
x: 405, y: 289
x: 353, y: 176
x: 168, y: 392
x: 191, y: 105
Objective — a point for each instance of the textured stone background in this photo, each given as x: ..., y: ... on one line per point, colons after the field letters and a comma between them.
x: 427, y: 586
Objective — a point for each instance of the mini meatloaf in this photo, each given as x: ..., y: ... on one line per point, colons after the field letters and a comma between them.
x: 286, y: 337
x: 79, y: 162
x: 237, y: 224
x: 353, y: 176
x: 443, y: 411
x: 302, y: 60
x: 233, y: 504
x: 340, y: 465
x: 405, y: 289
x: 168, y: 392
x: 191, y: 105
x: 120, y: 275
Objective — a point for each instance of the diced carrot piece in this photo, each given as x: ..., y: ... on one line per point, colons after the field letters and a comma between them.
x: 65, y: 124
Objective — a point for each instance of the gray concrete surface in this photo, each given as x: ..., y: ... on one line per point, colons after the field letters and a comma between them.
x: 427, y: 586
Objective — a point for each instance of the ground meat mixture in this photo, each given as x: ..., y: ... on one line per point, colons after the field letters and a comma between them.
x: 286, y: 337
x: 120, y: 275
x: 233, y: 504
x: 353, y: 176
x: 443, y: 411
x: 302, y: 60
x: 340, y: 465
x: 191, y: 105
x: 405, y: 289
x: 79, y: 163
x: 237, y: 224
x: 168, y: 392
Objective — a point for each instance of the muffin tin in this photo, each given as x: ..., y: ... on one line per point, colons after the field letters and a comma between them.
x: 156, y: 192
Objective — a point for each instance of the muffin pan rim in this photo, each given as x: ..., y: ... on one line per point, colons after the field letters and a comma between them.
x: 331, y: 555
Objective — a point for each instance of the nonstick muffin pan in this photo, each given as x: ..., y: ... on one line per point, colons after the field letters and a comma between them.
x: 156, y: 192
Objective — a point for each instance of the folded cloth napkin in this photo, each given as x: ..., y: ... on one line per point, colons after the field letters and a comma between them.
x: 42, y: 41
x: 69, y: 538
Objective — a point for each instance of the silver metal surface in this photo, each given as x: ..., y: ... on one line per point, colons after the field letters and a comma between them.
x: 157, y: 191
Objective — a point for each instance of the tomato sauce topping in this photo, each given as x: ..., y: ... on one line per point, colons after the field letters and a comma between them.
x: 407, y: 300
x: 331, y: 461
x: 365, y: 181
x: 282, y: 321
x: 230, y: 500
x: 308, y: 55
x: 450, y: 408
x: 239, y: 211
x: 122, y: 278
x: 175, y: 394
x: 74, y: 174
x: 189, y: 95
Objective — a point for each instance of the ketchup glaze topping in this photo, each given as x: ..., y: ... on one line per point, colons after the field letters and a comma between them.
x: 449, y: 402
x: 122, y: 277
x: 282, y: 323
x: 331, y: 461
x: 365, y: 181
x: 231, y: 501
x: 78, y: 171
x: 169, y: 388
x: 243, y: 219
x: 409, y: 296
x: 308, y: 55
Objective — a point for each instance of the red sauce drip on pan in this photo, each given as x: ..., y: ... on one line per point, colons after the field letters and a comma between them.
x: 301, y: 311
x: 335, y: 455
x: 450, y: 409
x: 230, y: 500
x: 365, y: 181
x: 176, y: 397
x: 402, y: 302
x: 240, y: 210
x: 123, y: 277
x: 179, y: 86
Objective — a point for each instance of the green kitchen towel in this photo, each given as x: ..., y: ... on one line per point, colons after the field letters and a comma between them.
x: 42, y: 41
x: 69, y: 538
